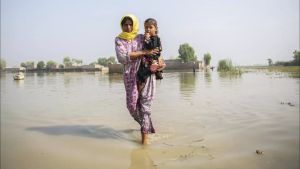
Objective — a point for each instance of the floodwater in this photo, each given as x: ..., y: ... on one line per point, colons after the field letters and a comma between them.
x: 203, y: 120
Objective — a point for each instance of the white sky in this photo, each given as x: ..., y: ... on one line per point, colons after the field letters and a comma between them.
x: 246, y: 31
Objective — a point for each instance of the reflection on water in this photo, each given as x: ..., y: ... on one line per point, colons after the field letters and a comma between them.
x: 207, y: 76
x: 115, y: 78
x: 40, y: 74
x: 187, y: 83
x: 140, y: 159
x: 19, y: 83
x: 228, y: 75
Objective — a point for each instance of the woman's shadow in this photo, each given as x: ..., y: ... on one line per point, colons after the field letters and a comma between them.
x: 92, y: 131
x: 140, y: 159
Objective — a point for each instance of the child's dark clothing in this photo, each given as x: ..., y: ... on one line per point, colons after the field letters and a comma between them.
x: 144, y: 70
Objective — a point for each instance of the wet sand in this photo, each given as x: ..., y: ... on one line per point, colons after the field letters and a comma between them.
x: 80, y: 121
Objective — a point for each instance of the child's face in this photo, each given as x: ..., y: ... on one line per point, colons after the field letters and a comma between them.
x: 150, y: 28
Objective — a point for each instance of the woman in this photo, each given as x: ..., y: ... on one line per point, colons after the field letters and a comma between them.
x: 129, y: 50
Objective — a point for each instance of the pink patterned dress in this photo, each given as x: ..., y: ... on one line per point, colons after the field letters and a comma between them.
x: 138, y: 104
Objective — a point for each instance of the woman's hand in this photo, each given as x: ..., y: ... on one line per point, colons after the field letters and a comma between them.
x: 151, y: 52
x: 141, y: 53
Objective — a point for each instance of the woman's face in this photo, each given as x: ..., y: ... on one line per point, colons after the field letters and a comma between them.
x: 150, y: 28
x: 127, y: 26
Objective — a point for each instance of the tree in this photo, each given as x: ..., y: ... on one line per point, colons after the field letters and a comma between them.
x: 105, y: 61
x: 2, y: 64
x: 102, y: 61
x: 93, y: 63
x: 207, y: 58
x: 23, y: 64
x: 67, y: 61
x: 28, y: 64
x: 296, y: 57
x: 76, y: 62
x: 111, y: 60
x: 294, y: 62
x: 51, y: 65
x: 40, y: 65
x: 270, y: 62
x: 186, y: 53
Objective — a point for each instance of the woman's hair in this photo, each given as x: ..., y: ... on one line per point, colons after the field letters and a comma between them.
x: 152, y: 21
x: 125, y: 19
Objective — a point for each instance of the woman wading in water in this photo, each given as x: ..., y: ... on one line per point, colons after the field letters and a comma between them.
x: 129, y: 50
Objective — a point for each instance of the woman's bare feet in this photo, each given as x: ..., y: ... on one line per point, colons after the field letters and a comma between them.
x: 144, y: 139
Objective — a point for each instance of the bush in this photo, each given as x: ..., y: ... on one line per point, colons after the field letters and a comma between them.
x: 225, y: 65
x: 207, y: 58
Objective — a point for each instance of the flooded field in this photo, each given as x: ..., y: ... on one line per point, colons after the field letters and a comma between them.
x: 203, y: 120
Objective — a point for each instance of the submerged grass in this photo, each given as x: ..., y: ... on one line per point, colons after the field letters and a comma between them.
x: 292, y: 71
x: 225, y: 67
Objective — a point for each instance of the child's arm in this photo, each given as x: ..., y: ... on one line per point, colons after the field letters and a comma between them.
x: 159, y: 44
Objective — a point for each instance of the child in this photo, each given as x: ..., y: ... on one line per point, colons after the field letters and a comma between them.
x: 149, y: 63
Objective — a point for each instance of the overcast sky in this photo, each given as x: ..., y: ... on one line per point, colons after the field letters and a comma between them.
x: 246, y: 31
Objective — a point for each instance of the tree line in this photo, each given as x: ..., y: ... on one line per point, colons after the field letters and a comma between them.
x: 67, y: 62
x: 294, y: 62
x: 186, y: 54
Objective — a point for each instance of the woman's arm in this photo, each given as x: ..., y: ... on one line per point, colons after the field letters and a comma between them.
x: 124, y: 56
x: 135, y: 55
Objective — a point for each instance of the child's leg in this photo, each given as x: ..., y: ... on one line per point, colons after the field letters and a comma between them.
x: 140, y: 86
x: 158, y: 75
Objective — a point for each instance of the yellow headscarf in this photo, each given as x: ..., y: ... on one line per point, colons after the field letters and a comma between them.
x: 135, y: 28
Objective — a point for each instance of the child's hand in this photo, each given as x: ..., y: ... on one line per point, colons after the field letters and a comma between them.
x: 147, y: 36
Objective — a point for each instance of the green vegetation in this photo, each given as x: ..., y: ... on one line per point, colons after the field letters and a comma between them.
x: 68, y: 62
x: 106, y: 61
x: 186, y: 53
x: 28, y: 64
x: 270, y: 62
x: 77, y: 61
x: 207, y: 58
x: 51, y: 65
x: 294, y: 62
x: 284, y: 69
x: 292, y: 71
x: 93, y: 63
x: 2, y: 64
x: 225, y: 65
x: 40, y: 65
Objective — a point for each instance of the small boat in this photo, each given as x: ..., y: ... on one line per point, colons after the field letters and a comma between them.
x: 19, y: 76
